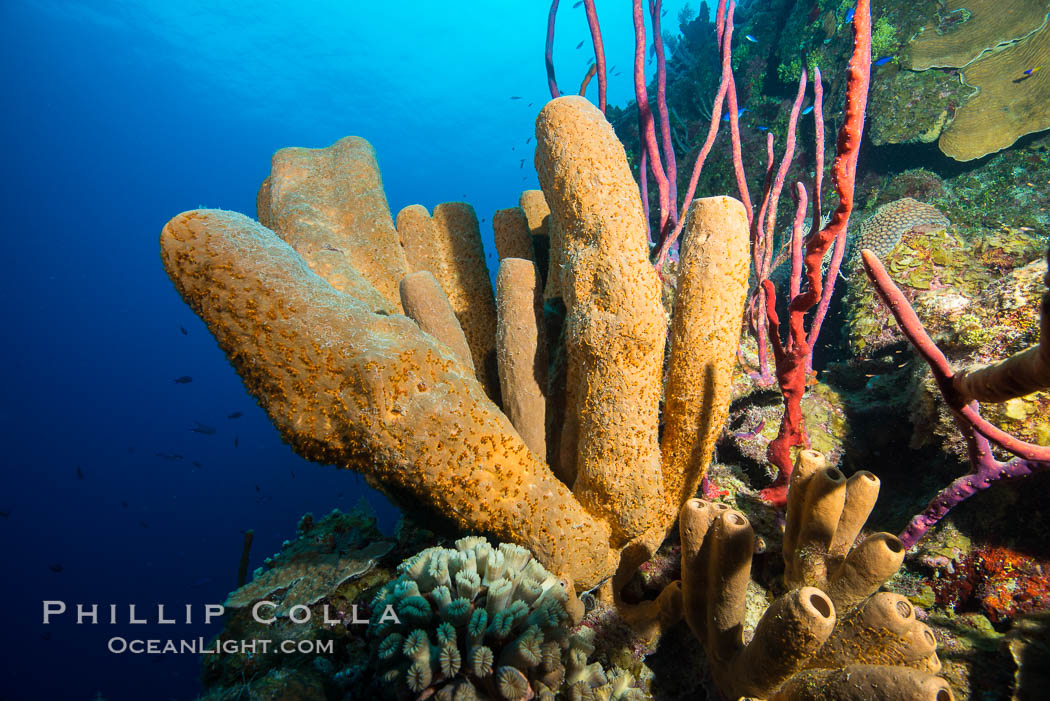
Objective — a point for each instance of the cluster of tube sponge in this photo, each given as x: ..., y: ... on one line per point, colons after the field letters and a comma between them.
x: 831, y: 636
x: 383, y: 348
x: 481, y: 622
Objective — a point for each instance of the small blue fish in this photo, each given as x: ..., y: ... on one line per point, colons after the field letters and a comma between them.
x: 580, y: 45
x: 751, y: 38
x: 808, y: 110
x: 849, y: 15
x: 739, y: 114
x: 763, y: 128
x: 882, y: 61
x: 1030, y: 71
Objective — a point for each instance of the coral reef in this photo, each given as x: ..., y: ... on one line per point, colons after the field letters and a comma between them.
x: 966, y: 29
x: 303, y: 574
x: 882, y: 231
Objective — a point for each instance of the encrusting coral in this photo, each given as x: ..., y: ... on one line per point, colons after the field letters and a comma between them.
x: 302, y: 573
x: 831, y: 636
x: 973, y: 27
x: 1021, y: 373
x: 482, y: 622
x: 1011, y: 103
x: 348, y: 380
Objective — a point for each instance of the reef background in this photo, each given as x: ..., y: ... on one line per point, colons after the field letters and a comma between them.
x: 121, y: 114
x: 117, y: 115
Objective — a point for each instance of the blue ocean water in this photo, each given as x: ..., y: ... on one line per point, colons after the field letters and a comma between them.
x: 117, y: 116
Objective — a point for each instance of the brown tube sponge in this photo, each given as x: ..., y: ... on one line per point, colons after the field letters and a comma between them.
x: 825, y: 512
x: 865, y: 569
x: 825, y: 497
x: 791, y: 630
x: 449, y: 246
x: 615, y: 327
x: 864, y: 683
x: 882, y: 630
x: 510, y: 229
x: 426, y: 304
x: 862, y: 491
x: 835, y: 642
x: 709, y: 307
x: 370, y: 391
x: 807, y: 464
x: 329, y: 205
x: 716, y: 564
x: 521, y: 349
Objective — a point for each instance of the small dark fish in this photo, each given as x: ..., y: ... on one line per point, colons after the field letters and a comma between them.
x: 236, y: 415
x: 849, y: 14
x: 56, y: 568
x: 124, y: 504
x: 528, y: 139
x: 882, y: 61
x: 515, y: 97
x: 530, y: 104
x: 169, y: 456
x: 580, y: 45
x: 513, y: 148
x: 143, y: 524
x: 236, y: 441
x: 257, y: 488
x: 483, y: 220
x: 196, y: 463
x: 80, y: 473
x: 577, y: 4
x: 184, y: 331
x: 203, y: 429
x: 522, y: 164
x: 45, y: 636
x: 292, y: 473
x: 5, y: 514
x: 184, y: 380
x: 616, y: 74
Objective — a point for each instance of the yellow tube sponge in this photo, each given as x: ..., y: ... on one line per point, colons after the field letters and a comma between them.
x: 370, y: 391
x: 522, y: 351
x: 426, y: 304
x: 709, y: 307
x: 449, y: 246
x: 615, y: 326
x: 329, y: 205
x: 510, y: 229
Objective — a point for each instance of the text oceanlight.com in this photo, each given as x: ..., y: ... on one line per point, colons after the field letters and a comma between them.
x: 263, y: 612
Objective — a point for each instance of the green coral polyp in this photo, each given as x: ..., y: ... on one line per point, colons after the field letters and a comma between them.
x: 506, y: 634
